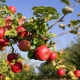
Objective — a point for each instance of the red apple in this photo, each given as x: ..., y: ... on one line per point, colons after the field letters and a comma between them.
x: 2, y: 47
x: 20, y: 29
x: 22, y: 32
x: 12, y: 9
x: 20, y: 21
x: 11, y: 56
x: 4, y: 42
x: 24, y: 45
x: 61, y: 72
x: 17, y: 67
x: 42, y: 52
x: 1, y: 77
x: 27, y: 66
x: 7, y: 28
x: 77, y: 73
x: 8, y: 18
x: 2, y: 31
x: 8, y: 21
x: 52, y: 56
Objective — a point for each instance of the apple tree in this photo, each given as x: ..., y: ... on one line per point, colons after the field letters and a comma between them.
x: 33, y: 35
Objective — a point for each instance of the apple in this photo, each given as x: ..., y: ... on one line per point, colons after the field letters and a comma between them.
x: 1, y: 77
x: 8, y: 21
x: 17, y: 67
x: 24, y: 45
x: 8, y: 18
x: 20, y: 21
x: 52, y: 56
x: 42, y: 52
x: 8, y: 27
x: 2, y: 47
x: 77, y: 73
x: 2, y: 31
x: 22, y: 32
x: 4, y: 41
x: 61, y: 72
x: 20, y: 29
x: 11, y: 57
x: 27, y: 67
x: 12, y: 9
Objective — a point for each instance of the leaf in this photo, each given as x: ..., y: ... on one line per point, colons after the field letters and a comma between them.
x: 35, y: 40
x: 3, y: 0
x: 28, y: 26
x: 2, y: 22
x: 30, y: 54
x: 19, y: 15
x: 50, y: 35
x: 66, y: 2
x: 11, y: 33
x: 74, y: 22
x: 79, y: 1
x: 73, y: 31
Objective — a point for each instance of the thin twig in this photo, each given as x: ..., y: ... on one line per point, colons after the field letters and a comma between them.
x: 56, y: 22
x: 75, y: 4
x: 63, y: 33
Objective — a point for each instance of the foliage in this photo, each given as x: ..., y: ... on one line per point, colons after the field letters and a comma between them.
x: 72, y: 54
x: 36, y: 32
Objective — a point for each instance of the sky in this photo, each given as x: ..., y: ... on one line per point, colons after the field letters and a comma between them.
x: 25, y: 7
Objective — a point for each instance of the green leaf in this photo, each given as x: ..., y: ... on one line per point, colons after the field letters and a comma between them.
x: 19, y: 15
x: 50, y: 35
x: 2, y: 22
x: 73, y: 31
x: 66, y: 2
x: 35, y: 40
x: 30, y: 54
x: 74, y: 22
x: 11, y: 33
x: 3, y: 0
x: 79, y: 1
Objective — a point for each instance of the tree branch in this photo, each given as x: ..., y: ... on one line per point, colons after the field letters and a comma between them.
x: 56, y: 22
x: 75, y: 4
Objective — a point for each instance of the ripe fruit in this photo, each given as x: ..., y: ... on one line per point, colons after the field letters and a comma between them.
x: 61, y: 72
x: 42, y: 53
x: 17, y: 67
x: 8, y: 27
x: 12, y: 9
x: 1, y: 77
x: 4, y: 42
x: 77, y: 73
x: 24, y: 45
x: 2, y: 47
x: 11, y: 56
x: 22, y: 32
x: 52, y: 56
x: 2, y: 30
x: 20, y: 29
x: 27, y: 67
x: 20, y: 21
x: 8, y: 21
